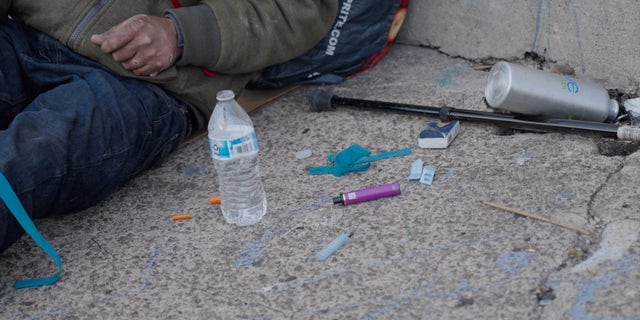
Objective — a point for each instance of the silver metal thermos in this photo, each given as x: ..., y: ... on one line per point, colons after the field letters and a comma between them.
x: 528, y: 91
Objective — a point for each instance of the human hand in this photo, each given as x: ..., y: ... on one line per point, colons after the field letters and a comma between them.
x: 144, y: 44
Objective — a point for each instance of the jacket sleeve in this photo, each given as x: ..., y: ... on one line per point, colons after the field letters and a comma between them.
x: 242, y: 36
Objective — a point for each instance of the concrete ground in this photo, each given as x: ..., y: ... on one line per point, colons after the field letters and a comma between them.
x: 597, y: 39
x: 433, y: 252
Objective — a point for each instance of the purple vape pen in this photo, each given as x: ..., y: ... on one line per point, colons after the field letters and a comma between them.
x: 351, y: 197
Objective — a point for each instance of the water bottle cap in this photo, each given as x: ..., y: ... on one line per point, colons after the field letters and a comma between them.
x: 225, y: 95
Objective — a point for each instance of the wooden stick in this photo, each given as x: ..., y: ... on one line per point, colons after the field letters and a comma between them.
x: 533, y: 216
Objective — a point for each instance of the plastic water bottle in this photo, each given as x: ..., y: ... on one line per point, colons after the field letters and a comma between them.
x: 528, y: 91
x: 234, y: 149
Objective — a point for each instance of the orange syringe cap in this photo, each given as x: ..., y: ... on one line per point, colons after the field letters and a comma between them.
x: 214, y: 200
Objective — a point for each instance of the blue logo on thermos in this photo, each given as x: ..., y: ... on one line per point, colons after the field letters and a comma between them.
x: 570, y: 84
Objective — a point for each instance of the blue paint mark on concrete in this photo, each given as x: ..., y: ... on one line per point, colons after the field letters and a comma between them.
x: 321, y: 278
x: 386, y: 306
x: 273, y: 290
x: 578, y: 34
x: 449, y: 77
x: 538, y: 28
x: 416, y: 294
x: 50, y: 313
x: 561, y: 198
x: 511, y: 262
x: 586, y: 291
x: 392, y: 261
x: 381, y: 311
x: 251, y: 253
x: 146, y: 280
x: 536, y: 35
x: 146, y: 277
x: 548, y: 25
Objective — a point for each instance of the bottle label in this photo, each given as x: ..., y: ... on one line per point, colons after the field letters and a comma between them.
x: 233, y: 148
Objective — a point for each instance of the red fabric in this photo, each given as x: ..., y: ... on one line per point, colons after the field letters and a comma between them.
x: 208, y: 72
x: 374, y: 59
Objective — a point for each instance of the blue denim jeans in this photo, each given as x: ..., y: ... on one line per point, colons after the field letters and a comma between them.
x: 71, y: 131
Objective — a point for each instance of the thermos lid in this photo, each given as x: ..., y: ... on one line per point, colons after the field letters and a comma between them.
x: 498, y: 84
x: 614, y: 109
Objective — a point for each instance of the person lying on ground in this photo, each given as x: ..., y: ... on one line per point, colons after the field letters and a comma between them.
x: 92, y: 93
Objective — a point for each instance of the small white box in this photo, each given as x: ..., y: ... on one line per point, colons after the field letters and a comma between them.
x: 438, y: 135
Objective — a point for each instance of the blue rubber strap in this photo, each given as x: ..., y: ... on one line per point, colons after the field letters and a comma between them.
x: 321, y: 170
x: 10, y: 199
x: 385, y: 155
x: 361, y: 164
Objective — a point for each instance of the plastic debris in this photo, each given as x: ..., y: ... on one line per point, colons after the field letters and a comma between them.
x: 428, y: 172
x: 524, y: 157
x: 333, y: 246
x: 416, y: 170
x: 633, y: 110
x: 303, y: 154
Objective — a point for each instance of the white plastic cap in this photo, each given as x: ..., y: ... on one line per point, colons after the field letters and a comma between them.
x: 225, y: 95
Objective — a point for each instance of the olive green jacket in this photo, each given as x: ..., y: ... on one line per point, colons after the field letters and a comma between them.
x: 233, y: 38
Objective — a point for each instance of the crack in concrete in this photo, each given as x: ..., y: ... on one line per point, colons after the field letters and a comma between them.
x: 528, y: 56
x: 542, y: 287
x: 588, y: 243
x: 590, y: 212
x: 593, y: 241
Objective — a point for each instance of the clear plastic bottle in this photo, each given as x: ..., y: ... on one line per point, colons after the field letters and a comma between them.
x: 234, y: 149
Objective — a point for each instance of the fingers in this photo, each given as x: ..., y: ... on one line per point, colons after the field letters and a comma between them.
x: 147, y: 66
x: 119, y: 35
x: 132, y: 64
x: 145, y: 45
x: 124, y: 41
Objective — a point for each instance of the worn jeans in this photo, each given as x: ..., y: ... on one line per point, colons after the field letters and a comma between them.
x: 72, y: 132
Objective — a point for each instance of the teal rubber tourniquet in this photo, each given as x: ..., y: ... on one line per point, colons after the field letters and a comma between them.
x: 12, y: 202
x: 354, y: 158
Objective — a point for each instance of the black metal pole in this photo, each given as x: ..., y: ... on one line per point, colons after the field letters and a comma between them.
x: 325, y: 101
